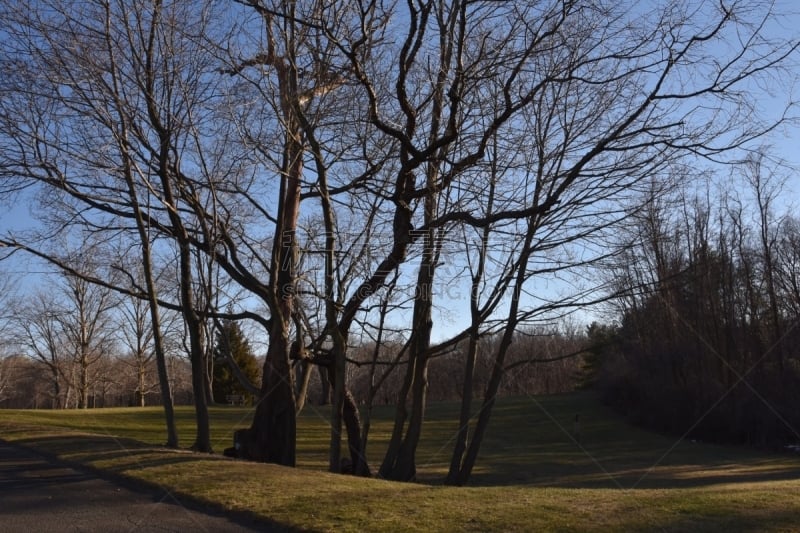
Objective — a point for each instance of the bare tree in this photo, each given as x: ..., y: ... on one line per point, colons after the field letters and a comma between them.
x: 85, y: 324
x: 109, y: 101
x: 8, y: 369
x: 40, y: 336
x: 507, y: 140
x: 788, y: 252
x: 766, y: 189
x: 136, y: 338
x: 68, y: 331
x: 294, y: 70
x: 582, y: 172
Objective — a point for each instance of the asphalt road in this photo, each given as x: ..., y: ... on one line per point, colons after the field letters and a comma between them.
x: 37, y: 494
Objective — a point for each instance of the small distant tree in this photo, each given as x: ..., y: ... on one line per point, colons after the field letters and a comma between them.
x: 233, y: 348
x: 602, y: 341
x: 7, y: 374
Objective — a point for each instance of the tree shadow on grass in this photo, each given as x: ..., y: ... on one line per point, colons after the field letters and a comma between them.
x: 72, y: 457
x: 540, y: 444
x: 613, y: 463
x: 113, y: 454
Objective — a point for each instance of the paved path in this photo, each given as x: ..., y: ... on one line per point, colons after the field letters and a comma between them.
x: 40, y: 495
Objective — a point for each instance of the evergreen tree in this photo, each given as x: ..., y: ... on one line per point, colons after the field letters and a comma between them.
x: 603, y: 341
x: 232, y: 342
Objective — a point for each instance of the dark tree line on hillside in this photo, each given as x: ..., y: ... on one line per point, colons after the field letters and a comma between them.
x: 709, y: 344
x: 342, y: 173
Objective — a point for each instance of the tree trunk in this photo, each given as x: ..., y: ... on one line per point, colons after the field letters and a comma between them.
x: 202, y: 441
x: 83, y: 380
x: 400, y: 460
x: 403, y: 464
x: 158, y: 345
x: 302, y: 391
x: 351, y: 420
x: 272, y: 435
x: 56, y: 390
x: 498, y: 368
x: 152, y: 299
x: 141, y: 384
x: 325, y: 385
x: 274, y: 428
x: 460, y: 445
x: 373, y: 386
x: 462, y: 436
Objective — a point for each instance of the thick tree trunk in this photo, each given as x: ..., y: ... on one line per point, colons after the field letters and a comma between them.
x: 272, y: 435
x: 273, y: 432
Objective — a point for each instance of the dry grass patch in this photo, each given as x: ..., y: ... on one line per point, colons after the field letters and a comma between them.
x: 531, y: 476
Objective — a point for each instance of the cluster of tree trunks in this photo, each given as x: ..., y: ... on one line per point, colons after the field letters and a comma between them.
x: 333, y: 170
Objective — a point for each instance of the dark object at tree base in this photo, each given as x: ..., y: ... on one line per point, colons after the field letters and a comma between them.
x: 242, y: 445
x: 242, y: 448
x: 230, y: 452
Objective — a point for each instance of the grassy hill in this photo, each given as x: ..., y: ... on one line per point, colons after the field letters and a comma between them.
x: 533, y: 473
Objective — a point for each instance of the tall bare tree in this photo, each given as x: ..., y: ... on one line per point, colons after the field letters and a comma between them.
x: 431, y: 137
x: 136, y: 338
x: 766, y: 189
x: 116, y: 93
x: 40, y: 337
x: 85, y: 324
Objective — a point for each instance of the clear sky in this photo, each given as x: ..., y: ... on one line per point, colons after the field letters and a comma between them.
x: 785, y: 142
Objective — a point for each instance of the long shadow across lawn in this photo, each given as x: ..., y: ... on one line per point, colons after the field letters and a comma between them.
x: 96, y: 449
x: 535, y: 441
x: 531, y: 441
x: 57, y: 451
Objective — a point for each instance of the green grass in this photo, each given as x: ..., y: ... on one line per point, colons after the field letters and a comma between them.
x: 531, y: 474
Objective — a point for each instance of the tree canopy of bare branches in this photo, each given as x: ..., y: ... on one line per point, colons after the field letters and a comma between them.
x: 333, y: 169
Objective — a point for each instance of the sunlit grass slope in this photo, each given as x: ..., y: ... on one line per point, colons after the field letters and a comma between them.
x: 534, y: 473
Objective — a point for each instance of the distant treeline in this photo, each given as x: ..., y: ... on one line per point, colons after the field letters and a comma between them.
x: 707, y: 344
x: 114, y: 379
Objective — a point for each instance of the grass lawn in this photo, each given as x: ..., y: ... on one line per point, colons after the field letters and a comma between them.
x: 531, y: 476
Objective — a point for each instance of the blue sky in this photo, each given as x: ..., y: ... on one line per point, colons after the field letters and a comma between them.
x: 785, y: 142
